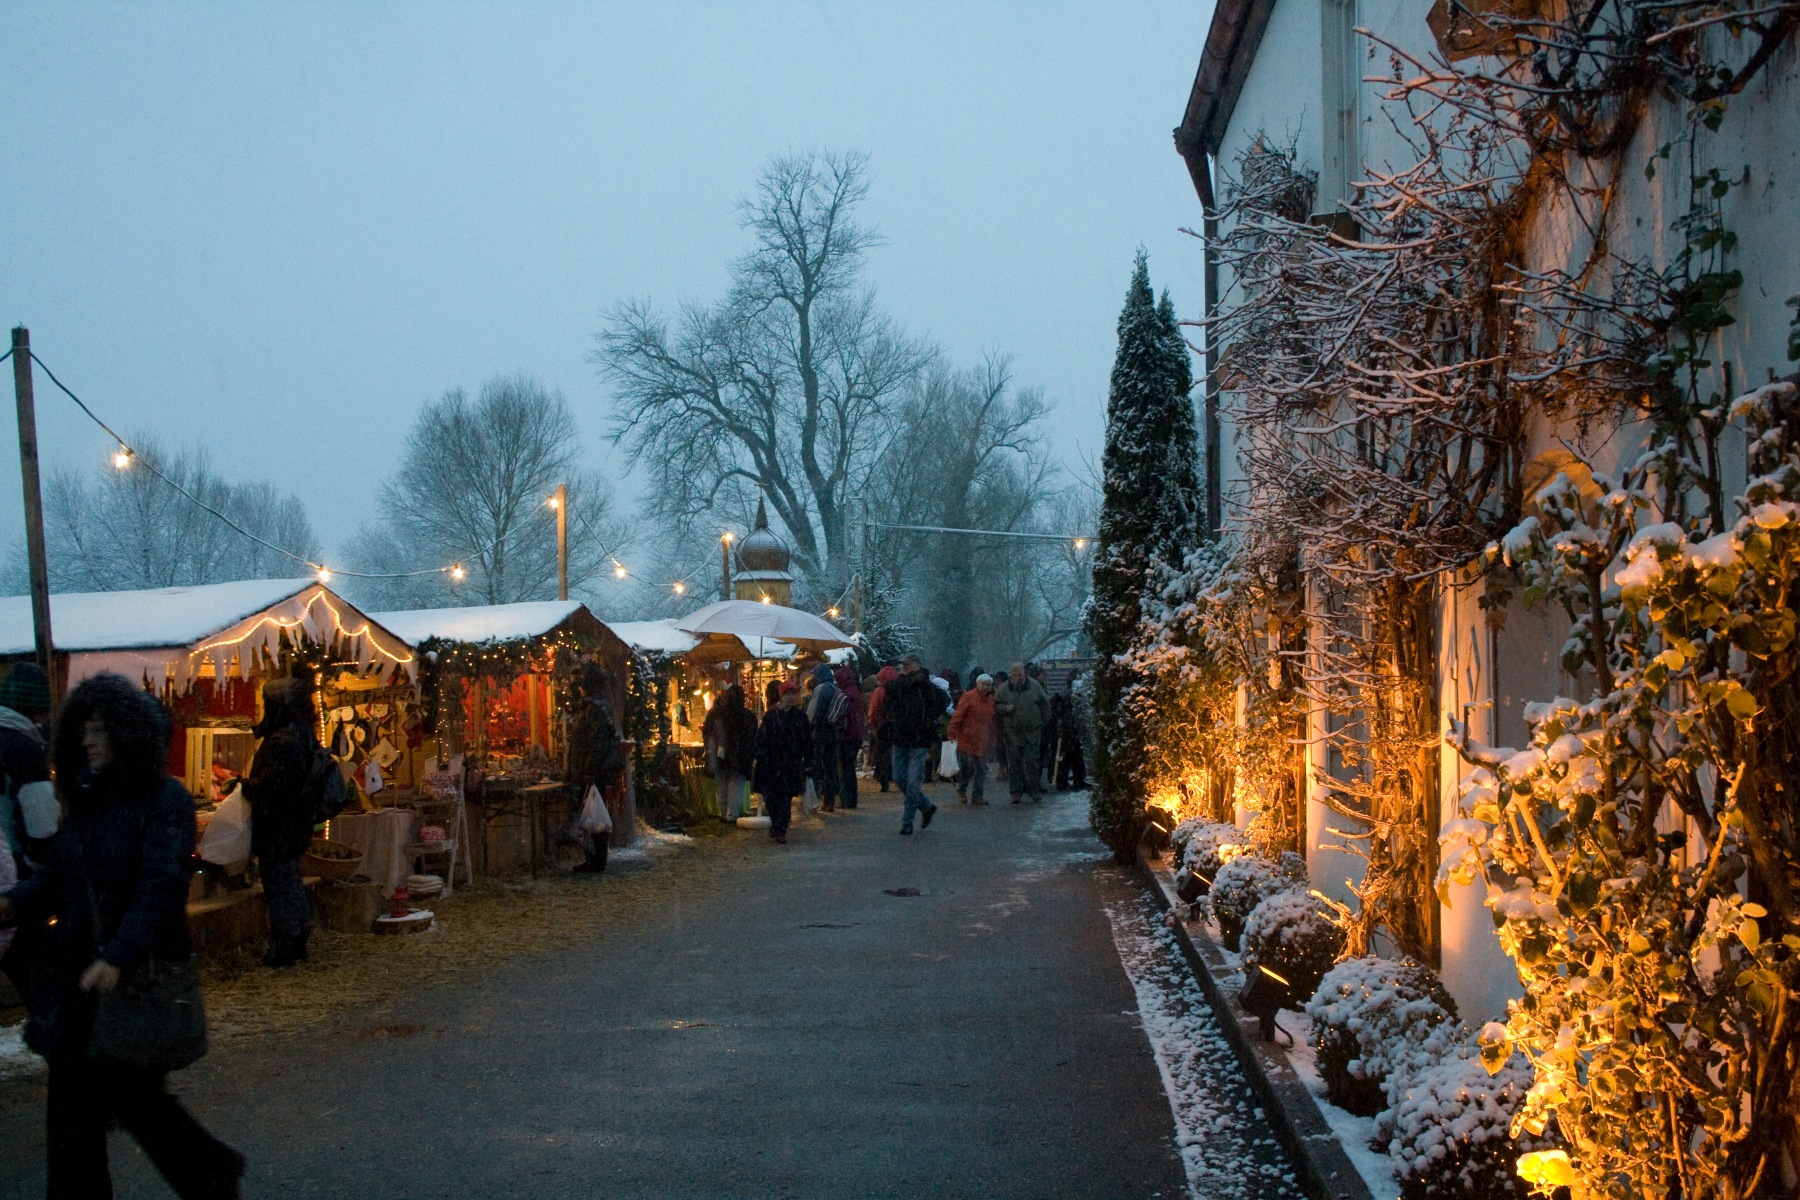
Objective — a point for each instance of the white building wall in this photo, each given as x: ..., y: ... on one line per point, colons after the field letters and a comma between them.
x: 1488, y: 675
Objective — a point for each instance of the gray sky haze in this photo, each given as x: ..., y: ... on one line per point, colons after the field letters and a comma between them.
x: 278, y: 230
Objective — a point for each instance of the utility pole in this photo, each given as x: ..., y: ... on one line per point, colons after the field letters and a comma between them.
x: 34, y: 511
x: 562, y: 541
x: 862, y: 567
x: 725, y: 561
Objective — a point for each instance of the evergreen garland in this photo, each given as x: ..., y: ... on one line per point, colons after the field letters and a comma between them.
x: 1151, y: 495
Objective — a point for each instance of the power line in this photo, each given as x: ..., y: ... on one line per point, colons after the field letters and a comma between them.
x: 1080, y: 540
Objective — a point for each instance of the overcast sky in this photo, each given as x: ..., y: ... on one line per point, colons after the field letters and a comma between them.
x: 279, y: 229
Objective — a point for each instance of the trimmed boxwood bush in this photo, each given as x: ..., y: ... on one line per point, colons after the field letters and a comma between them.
x: 1448, y: 1131
x: 1244, y: 882
x: 1371, y: 1015
x: 1293, y: 935
x: 1209, y: 847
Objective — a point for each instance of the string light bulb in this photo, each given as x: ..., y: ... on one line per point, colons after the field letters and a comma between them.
x: 727, y: 536
x: 1080, y: 544
x: 619, y: 570
x: 324, y: 574
x: 550, y: 503
x: 121, y: 459
x: 767, y: 600
x: 832, y: 613
x: 680, y: 588
x: 457, y: 574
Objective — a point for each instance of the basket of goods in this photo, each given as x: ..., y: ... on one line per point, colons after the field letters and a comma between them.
x: 331, y: 860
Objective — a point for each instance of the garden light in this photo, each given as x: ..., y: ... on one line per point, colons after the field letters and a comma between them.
x: 1265, y: 994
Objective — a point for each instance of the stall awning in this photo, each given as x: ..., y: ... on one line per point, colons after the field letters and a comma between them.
x: 662, y: 637
x: 163, y: 633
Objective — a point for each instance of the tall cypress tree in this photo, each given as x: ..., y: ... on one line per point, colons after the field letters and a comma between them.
x: 1151, y: 498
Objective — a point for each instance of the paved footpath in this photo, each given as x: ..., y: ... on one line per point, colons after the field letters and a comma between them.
x: 857, y: 1014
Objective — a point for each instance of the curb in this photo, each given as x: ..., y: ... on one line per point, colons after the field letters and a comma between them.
x: 1325, y: 1171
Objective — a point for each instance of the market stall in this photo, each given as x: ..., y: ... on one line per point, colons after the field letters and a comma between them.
x: 206, y: 652
x: 496, y: 683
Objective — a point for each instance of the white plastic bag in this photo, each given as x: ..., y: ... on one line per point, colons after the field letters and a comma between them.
x: 948, y: 762
x: 594, y: 817
x: 809, y: 803
x: 226, y: 841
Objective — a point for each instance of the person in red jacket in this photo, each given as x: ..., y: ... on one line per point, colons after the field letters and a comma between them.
x: 972, y: 729
x: 882, y: 742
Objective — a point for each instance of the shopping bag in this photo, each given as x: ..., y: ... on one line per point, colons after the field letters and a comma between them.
x: 154, y: 1019
x: 809, y: 803
x: 226, y: 841
x: 594, y: 817
x: 948, y: 764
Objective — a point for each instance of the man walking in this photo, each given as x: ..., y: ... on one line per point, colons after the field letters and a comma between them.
x: 972, y: 729
x: 783, y: 749
x: 910, y: 716
x: 828, y: 712
x: 1024, y: 710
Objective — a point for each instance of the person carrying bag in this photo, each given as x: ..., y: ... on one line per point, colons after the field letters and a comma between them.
x: 115, y: 1002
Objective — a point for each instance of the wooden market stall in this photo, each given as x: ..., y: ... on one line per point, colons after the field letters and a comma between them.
x: 206, y: 652
x: 496, y: 682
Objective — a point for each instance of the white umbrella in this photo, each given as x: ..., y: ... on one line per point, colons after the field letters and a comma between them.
x: 751, y: 619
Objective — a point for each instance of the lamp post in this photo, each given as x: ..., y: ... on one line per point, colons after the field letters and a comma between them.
x: 561, y: 504
x: 725, y: 560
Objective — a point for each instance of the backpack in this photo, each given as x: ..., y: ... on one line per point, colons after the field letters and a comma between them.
x: 838, y: 712
x: 325, y: 787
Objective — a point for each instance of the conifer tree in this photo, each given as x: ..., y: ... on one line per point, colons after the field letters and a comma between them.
x: 1151, y: 496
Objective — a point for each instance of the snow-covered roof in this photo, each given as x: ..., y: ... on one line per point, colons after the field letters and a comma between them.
x: 159, y: 630
x: 480, y: 623
x: 654, y: 637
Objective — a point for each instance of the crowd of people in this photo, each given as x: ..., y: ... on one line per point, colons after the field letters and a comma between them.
x: 908, y: 724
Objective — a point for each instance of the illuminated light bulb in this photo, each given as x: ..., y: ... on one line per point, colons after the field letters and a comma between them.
x: 832, y: 613
x: 121, y: 458
x: 324, y: 574
x: 1081, y: 543
x: 726, y: 536
x: 550, y: 503
x: 619, y: 571
x: 680, y: 588
x: 457, y: 574
x: 766, y: 600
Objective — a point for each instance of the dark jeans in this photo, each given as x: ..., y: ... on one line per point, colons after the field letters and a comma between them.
x: 847, y: 752
x: 884, y: 758
x: 781, y: 813
x: 1022, y: 766
x: 827, y: 775
x: 84, y: 1096
x: 285, y: 895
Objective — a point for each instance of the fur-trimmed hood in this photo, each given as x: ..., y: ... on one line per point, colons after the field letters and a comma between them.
x: 136, y: 723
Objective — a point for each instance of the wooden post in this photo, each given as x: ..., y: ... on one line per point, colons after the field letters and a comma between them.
x: 562, y: 541
x: 34, y: 512
x: 725, y: 559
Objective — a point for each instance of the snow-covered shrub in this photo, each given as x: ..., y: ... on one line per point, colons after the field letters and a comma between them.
x: 1210, y: 846
x: 1448, y: 1134
x: 1293, y: 935
x: 1242, y: 884
x: 1371, y: 1016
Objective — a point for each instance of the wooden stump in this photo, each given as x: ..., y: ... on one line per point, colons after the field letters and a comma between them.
x: 348, y: 907
x: 417, y: 921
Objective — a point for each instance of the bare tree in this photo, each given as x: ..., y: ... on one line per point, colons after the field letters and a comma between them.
x: 784, y: 386
x: 111, y: 530
x: 473, y: 491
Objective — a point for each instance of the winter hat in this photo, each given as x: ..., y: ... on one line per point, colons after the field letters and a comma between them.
x: 788, y: 685
x: 26, y: 689
x: 821, y: 674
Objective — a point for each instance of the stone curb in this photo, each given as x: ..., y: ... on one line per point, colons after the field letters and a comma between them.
x: 1326, y: 1172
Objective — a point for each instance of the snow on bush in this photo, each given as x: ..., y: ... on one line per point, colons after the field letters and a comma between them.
x: 1372, y: 1016
x: 1294, y: 936
x: 1210, y: 846
x: 1242, y: 884
x: 1449, y: 1133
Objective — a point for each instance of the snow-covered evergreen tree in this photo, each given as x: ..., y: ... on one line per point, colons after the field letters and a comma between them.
x: 1151, y: 495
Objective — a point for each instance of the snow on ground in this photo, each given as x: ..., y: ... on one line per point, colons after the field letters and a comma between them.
x: 15, y: 1059
x: 1226, y: 1145
x: 651, y: 843
x: 1355, y: 1132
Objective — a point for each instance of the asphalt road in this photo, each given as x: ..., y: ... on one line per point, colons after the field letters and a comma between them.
x: 856, y: 1014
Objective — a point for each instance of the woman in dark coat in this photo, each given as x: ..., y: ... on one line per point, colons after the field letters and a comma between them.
x: 281, y: 812
x: 783, y: 750
x: 116, y: 885
x: 730, y: 730
x: 595, y: 758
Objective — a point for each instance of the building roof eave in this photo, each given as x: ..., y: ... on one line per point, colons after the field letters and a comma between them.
x: 1231, y: 44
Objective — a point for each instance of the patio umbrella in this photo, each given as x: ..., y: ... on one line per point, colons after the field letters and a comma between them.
x: 746, y: 619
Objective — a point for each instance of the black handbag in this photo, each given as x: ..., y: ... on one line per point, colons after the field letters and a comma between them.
x: 153, y: 1018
